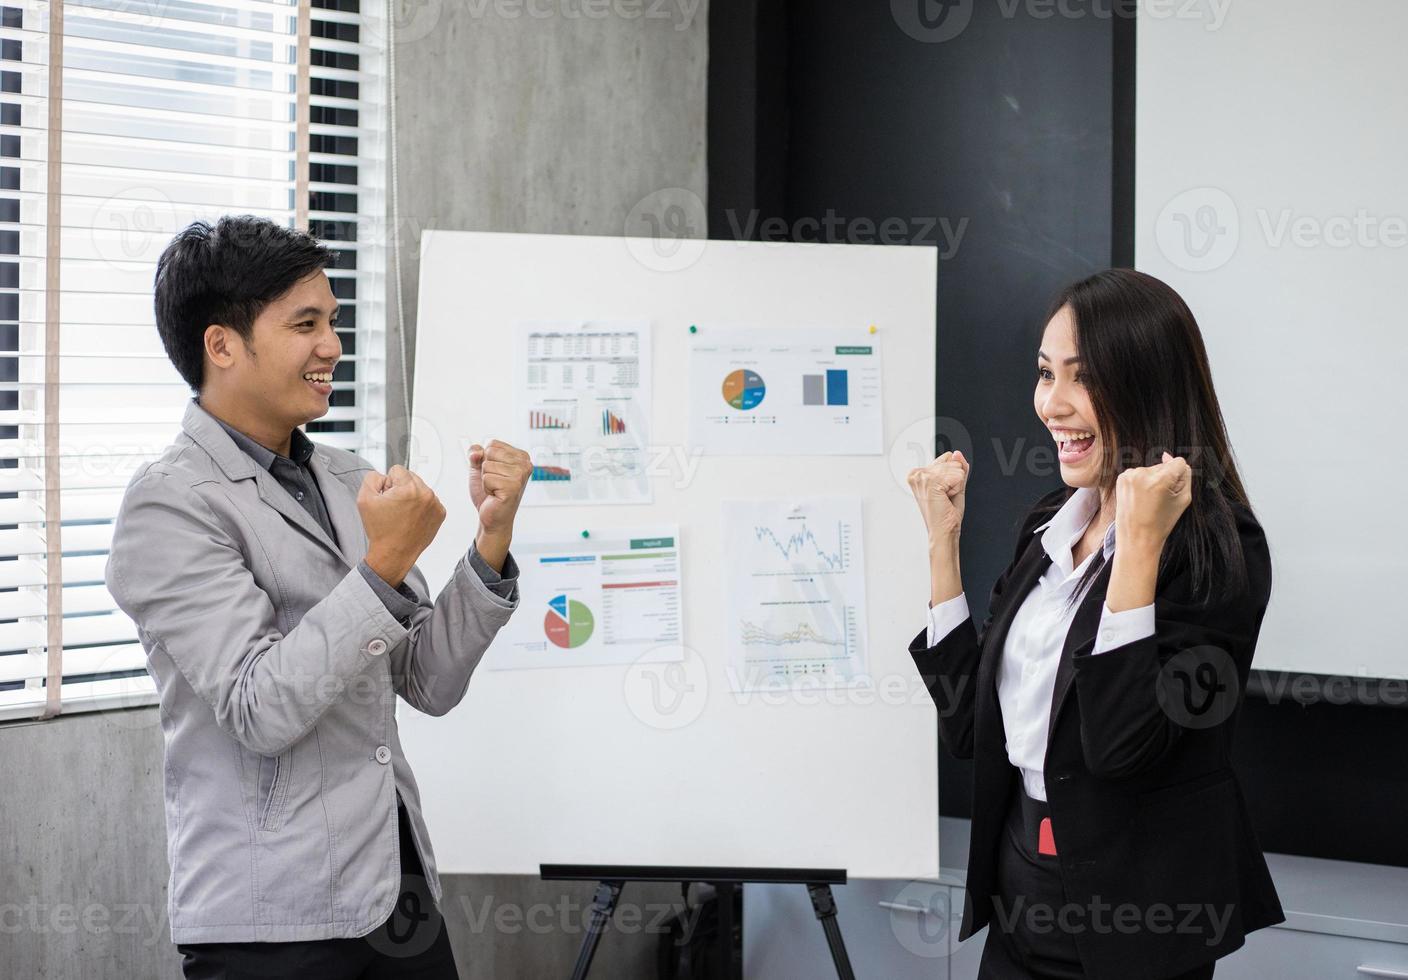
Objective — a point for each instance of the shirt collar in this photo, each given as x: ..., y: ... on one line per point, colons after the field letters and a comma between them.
x: 1065, y: 527
x: 300, y: 447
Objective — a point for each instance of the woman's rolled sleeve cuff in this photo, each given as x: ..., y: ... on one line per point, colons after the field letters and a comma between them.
x: 946, y: 617
x: 1120, y: 628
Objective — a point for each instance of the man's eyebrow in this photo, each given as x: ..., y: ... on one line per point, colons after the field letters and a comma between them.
x: 308, y: 311
x: 1070, y: 360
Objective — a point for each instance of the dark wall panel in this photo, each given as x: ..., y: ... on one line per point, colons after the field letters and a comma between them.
x: 1009, y: 145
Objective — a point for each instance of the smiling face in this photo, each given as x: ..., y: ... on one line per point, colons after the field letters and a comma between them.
x: 283, y: 376
x: 1063, y: 403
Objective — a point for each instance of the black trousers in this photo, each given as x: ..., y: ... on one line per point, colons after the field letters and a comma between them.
x: 1023, y: 948
x: 412, y: 943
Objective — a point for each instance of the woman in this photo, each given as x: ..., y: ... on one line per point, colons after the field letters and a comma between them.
x: 1109, y: 836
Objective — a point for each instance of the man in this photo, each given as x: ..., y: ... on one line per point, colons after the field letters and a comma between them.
x: 274, y: 588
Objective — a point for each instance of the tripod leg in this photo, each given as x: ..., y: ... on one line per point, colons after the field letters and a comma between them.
x: 730, y: 942
x: 824, y: 905
x: 603, y: 904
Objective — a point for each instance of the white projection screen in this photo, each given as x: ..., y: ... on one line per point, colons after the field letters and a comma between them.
x: 1272, y: 192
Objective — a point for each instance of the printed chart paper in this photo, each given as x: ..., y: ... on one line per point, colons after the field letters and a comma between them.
x: 582, y: 401
x: 803, y: 392
x: 611, y: 598
x: 795, y: 581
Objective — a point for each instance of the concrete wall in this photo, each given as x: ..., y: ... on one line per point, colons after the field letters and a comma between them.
x: 524, y: 118
x: 556, y: 124
x: 556, y: 117
x: 83, y: 872
x: 83, y: 849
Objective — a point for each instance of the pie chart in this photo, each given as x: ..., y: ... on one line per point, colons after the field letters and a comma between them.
x: 744, y: 389
x: 569, y: 623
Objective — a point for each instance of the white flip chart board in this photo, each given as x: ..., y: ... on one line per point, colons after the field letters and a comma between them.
x: 661, y: 763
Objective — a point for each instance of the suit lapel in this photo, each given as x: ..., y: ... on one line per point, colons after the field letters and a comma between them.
x: 1033, y: 563
x: 1081, y: 634
x: 342, y: 509
x: 202, y: 427
x: 271, y: 493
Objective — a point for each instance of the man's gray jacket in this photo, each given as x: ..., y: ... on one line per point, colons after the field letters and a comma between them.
x: 277, y: 667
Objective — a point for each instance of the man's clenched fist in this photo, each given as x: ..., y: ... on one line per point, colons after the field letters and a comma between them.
x: 401, y: 515
x: 498, y: 474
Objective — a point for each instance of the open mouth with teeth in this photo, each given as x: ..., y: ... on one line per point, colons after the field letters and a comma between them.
x: 1073, y: 445
x: 320, y: 380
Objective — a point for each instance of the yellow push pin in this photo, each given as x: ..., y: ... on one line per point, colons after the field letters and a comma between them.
x: 873, y: 328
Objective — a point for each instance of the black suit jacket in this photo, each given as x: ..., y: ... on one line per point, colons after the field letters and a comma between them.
x: 1146, y: 812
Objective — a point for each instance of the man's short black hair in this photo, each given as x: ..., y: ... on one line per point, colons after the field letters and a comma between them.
x: 226, y: 274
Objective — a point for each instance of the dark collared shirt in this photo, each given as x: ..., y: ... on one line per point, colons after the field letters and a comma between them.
x: 295, y: 475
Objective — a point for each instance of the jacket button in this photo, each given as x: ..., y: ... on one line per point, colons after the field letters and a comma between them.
x: 376, y: 647
x: 383, y: 754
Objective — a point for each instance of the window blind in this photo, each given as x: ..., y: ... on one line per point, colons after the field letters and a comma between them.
x: 347, y: 138
x: 172, y: 111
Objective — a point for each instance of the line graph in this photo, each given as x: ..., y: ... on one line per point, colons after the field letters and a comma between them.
x: 801, y: 549
x: 796, y: 590
x: 754, y: 635
x: 621, y: 465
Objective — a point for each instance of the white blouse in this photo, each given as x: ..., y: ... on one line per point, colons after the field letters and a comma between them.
x: 1026, y: 677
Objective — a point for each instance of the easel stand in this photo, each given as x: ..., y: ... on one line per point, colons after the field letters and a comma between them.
x: 728, y: 884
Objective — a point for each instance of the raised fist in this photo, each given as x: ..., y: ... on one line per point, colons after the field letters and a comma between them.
x: 498, y: 473
x: 1149, y: 500
x: 401, y: 515
x: 939, y: 490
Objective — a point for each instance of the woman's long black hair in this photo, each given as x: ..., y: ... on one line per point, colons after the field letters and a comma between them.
x: 1151, y: 388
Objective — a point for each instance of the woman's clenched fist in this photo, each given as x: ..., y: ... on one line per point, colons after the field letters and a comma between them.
x: 939, y: 490
x: 1149, y: 500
